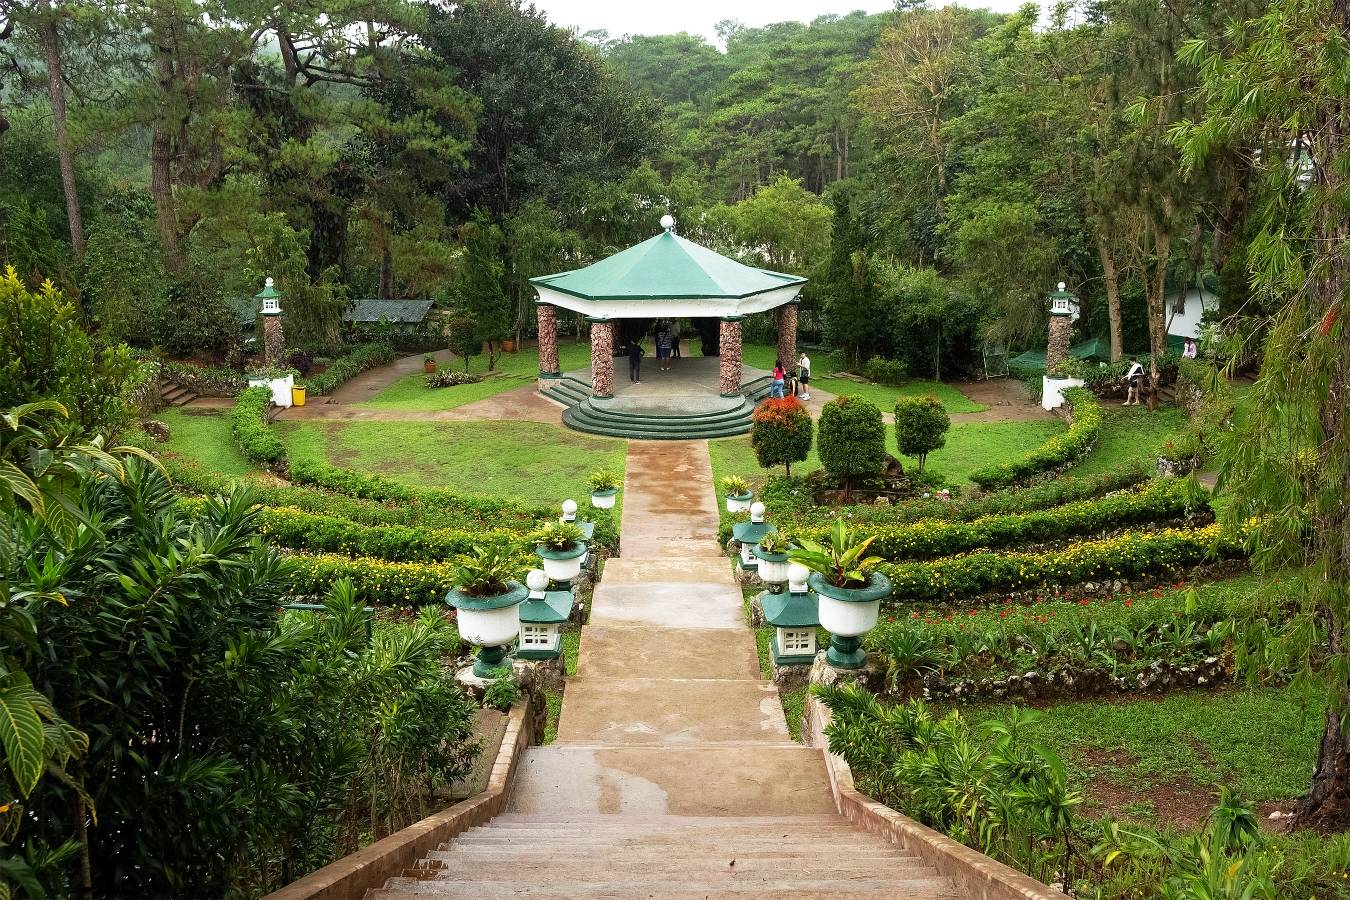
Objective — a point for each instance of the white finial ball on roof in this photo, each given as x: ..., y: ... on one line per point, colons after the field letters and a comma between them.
x: 668, y: 222
x: 797, y: 575
x: 269, y: 282
x: 757, y: 512
x: 536, y: 580
x: 569, y: 511
x: 1061, y: 285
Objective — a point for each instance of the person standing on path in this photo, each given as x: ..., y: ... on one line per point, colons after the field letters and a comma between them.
x: 779, y: 380
x: 663, y: 349
x: 635, y: 354
x: 804, y: 376
x: 675, y: 339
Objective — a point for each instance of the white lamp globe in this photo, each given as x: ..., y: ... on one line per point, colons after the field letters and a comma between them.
x: 537, y: 582
x: 757, y: 512
x: 667, y: 222
x: 797, y: 575
x: 569, y: 509
x: 1061, y: 285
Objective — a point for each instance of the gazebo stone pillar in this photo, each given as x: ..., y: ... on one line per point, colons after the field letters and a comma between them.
x: 548, y: 341
x: 602, y: 358
x: 787, y: 334
x: 729, y: 356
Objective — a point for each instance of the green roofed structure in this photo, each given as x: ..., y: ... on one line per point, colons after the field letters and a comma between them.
x: 664, y: 279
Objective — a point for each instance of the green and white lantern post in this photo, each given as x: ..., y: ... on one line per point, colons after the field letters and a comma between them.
x: 490, y: 623
x: 541, y: 618
x: 748, y: 534
x: 794, y: 614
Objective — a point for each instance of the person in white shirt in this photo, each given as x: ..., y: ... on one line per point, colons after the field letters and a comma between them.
x: 804, y: 376
x: 1133, y: 379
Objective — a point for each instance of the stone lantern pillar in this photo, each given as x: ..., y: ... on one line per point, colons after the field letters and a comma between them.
x: 602, y: 358
x: 274, y: 337
x: 787, y: 334
x: 548, y: 341
x: 729, y: 356
x: 1061, y: 321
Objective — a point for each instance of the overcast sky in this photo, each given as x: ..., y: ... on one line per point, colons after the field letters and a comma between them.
x: 620, y: 17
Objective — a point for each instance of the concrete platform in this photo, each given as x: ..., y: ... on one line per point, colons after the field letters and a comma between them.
x: 674, y: 605
x: 780, y: 779
x: 660, y: 711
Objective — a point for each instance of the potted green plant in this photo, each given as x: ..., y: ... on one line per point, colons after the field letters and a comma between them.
x: 429, y: 364
x: 737, y: 492
x: 562, y: 547
x: 487, y: 598
x: 772, y: 553
x: 604, y: 488
x: 849, y: 587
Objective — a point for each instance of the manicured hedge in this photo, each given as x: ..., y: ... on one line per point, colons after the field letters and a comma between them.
x: 1061, y: 450
x: 1166, y: 498
x: 959, y: 578
x: 377, y: 582
x: 248, y: 421
x: 366, y: 356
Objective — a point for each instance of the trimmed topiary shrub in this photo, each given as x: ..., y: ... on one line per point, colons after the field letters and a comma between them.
x: 1057, y: 453
x: 852, y: 439
x: 920, y: 426
x: 780, y: 433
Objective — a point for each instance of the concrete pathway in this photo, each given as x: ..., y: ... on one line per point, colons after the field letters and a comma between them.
x: 668, y: 714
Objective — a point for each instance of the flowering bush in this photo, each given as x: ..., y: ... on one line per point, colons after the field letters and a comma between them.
x: 376, y: 581
x: 1166, y: 498
x: 964, y: 577
x: 780, y: 433
x: 1061, y: 450
x: 450, y: 378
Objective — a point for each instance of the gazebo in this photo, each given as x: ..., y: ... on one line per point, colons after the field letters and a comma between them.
x: 664, y: 277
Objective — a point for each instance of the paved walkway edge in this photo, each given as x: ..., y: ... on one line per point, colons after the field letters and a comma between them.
x: 369, y: 868
x: 975, y: 875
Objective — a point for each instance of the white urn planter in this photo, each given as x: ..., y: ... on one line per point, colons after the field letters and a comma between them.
x: 604, y: 499
x: 490, y: 623
x: 847, y: 614
x: 562, y: 565
x: 773, y: 567
x: 739, y: 502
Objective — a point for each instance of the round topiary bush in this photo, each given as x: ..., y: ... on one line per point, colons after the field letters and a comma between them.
x: 852, y: 438
x: 920, y: 426
x: 780, y: 433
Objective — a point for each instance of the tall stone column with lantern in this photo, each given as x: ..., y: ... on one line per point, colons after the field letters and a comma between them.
x: 274, y: 337
x: 1061, y: 322
x: 787, y: 334
x: 602, y: 358
x: 729, y: 356
x: 548, y: 341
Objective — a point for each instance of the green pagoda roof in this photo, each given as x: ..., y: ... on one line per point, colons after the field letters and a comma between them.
x: 667, y: 267
x: 791, y: 610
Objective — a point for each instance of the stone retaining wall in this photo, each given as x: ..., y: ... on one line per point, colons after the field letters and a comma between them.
x: 976, y: 876
x: 350, y: 877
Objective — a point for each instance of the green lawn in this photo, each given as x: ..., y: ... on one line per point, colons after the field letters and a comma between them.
x: 823, y: 365
x: 410, y: 393
x: 526, y: 460
x: 970, y: 445
x: 203, y: 436
x: 1262, y: 742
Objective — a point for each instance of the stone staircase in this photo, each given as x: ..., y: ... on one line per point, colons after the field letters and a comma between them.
x: 668, y: 856
x: 727, y: 418
x: 673, y: 774
x: 174, y: 394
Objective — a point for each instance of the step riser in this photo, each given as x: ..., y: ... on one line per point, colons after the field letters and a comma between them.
x: 906, y: 887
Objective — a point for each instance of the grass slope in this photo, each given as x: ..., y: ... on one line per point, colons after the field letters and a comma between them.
x: 513, y: 370
x: 203, y: 436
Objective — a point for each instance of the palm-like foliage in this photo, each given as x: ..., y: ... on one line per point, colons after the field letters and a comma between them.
x: 841, y: 562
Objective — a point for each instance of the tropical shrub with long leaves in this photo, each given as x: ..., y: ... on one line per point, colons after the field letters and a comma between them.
x: 264, y: 746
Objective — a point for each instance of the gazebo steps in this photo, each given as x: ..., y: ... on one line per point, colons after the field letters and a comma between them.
x: 569, y: 391
x: 593, y: 419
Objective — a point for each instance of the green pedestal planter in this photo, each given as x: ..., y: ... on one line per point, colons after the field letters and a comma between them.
x: 847, y: 614
x: 491, y: 623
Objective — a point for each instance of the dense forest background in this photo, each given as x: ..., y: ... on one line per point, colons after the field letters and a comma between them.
x: 933, y: 170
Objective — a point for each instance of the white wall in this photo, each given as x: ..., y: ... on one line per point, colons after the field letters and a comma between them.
x: 1187, y: 323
